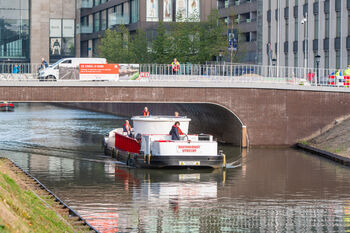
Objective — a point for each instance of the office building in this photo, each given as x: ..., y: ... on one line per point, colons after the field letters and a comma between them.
x: 96, y: 16
x: 294, y: 32
x: 241, y: 16
x: 33, y: 29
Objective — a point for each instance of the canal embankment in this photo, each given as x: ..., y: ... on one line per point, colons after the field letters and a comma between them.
x: 27, y: 206
x: 332, y: 142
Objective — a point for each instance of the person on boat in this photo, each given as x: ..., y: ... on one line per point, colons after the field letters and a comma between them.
x: 145, y: 112
x: 176, y: 114
x: 127, y: 128
x: 175, y: 131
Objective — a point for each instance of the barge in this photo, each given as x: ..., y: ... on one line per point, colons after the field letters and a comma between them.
x: 153, y: 147
x: 7, y: 107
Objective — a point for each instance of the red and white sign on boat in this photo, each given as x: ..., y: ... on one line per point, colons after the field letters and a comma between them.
x: 188, y: 148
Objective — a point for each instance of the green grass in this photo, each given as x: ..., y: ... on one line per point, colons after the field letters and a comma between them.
x: 305, y: 143
x: 29, y: 211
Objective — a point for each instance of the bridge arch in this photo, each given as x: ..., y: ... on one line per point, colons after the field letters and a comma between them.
x: 210, y: 118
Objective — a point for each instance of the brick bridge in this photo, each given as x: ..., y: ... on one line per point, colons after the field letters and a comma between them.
x: 274, y: 114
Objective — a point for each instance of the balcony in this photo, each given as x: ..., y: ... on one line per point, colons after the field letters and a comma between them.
x: 295, y: 11
x: 316, y: 6
x: 305, y: 9
x: 326, y: 7
x: 295, y: 46
x: 286, y: 12
x: 285, y: 46
x: 337, y: 43
x: 337, y: 5
x: 305, y: 45
x: 86, y: 29
x: 348, y: 42
x: 326, y: 44
x: 315, y: 45
x: 86, y: 4
x: 115, y: 19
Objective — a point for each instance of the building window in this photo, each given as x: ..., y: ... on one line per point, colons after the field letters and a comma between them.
x: 287, y: 31
x: 134, y: 11
x: 95, y: 48
x: 316, y: 27
x: 338, y: 26
x: 349, y: 24
x: 97, y: 22
x: 14, y: 30
x: 326, y: 59
x: 97, y: 2
x: 104, y: 20
x: 337, y: 59
x: 327, y: 26
x: 296, y: 29
x: 286, y: 60
x: 348, y: 56
x: 296, y: 60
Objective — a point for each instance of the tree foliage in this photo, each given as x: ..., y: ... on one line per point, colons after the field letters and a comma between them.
x: 187, y: 40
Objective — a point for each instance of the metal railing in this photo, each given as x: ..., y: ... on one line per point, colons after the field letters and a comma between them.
x: 211, y: 72
x: 246, y: 73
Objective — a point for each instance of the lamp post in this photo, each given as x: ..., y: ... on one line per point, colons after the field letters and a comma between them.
x: 305, y: 22
x: 317, y: 59
x: 274, y: 60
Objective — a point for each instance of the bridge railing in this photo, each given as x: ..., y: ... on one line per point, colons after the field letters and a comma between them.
x: 223, y: 72
x: 246, y: 73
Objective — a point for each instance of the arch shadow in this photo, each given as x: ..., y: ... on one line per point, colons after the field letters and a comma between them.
x: 206, y: 117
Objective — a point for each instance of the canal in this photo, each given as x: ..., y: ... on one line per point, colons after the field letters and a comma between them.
x: 264, y: 190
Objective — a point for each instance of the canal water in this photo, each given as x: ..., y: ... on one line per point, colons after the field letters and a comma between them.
x: 264, y: 190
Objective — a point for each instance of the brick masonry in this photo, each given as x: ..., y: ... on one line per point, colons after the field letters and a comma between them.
x: 273, y: 117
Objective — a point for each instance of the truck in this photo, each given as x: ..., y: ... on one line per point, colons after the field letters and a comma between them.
x: 58, y: 70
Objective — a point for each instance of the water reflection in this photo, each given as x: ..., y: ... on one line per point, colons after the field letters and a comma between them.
x: 265, y: 190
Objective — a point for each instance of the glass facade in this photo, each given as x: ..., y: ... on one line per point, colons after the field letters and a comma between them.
x: 14, y: 30
x: 134, y: 11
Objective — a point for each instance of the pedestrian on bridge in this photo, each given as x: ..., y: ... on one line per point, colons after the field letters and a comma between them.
x: 175, y: 66
x: 15, y: 69
x: 44, y: 64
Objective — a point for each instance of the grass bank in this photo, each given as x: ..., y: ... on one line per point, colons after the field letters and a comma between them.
x: 25, y: 207
x: 336, y: 139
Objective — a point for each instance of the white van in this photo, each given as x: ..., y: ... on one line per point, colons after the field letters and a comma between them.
x: 52, y: 71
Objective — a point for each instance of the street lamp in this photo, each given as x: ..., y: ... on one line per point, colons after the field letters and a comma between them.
x: 305, y: 23
x: 274, y: 60
x: 317, y: 59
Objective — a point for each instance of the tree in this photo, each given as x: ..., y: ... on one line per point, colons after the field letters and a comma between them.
x: 114, y: 45
x: 213, y: 39
x: 188, y: 40
x: 161, y: 46
x: 138, y: 48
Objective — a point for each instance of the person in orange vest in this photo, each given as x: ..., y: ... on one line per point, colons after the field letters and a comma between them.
x: 175, y: 131
x: 175, y: 65
x: 145, y: 112
x: 127, y: 128
x: 311, y: 76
